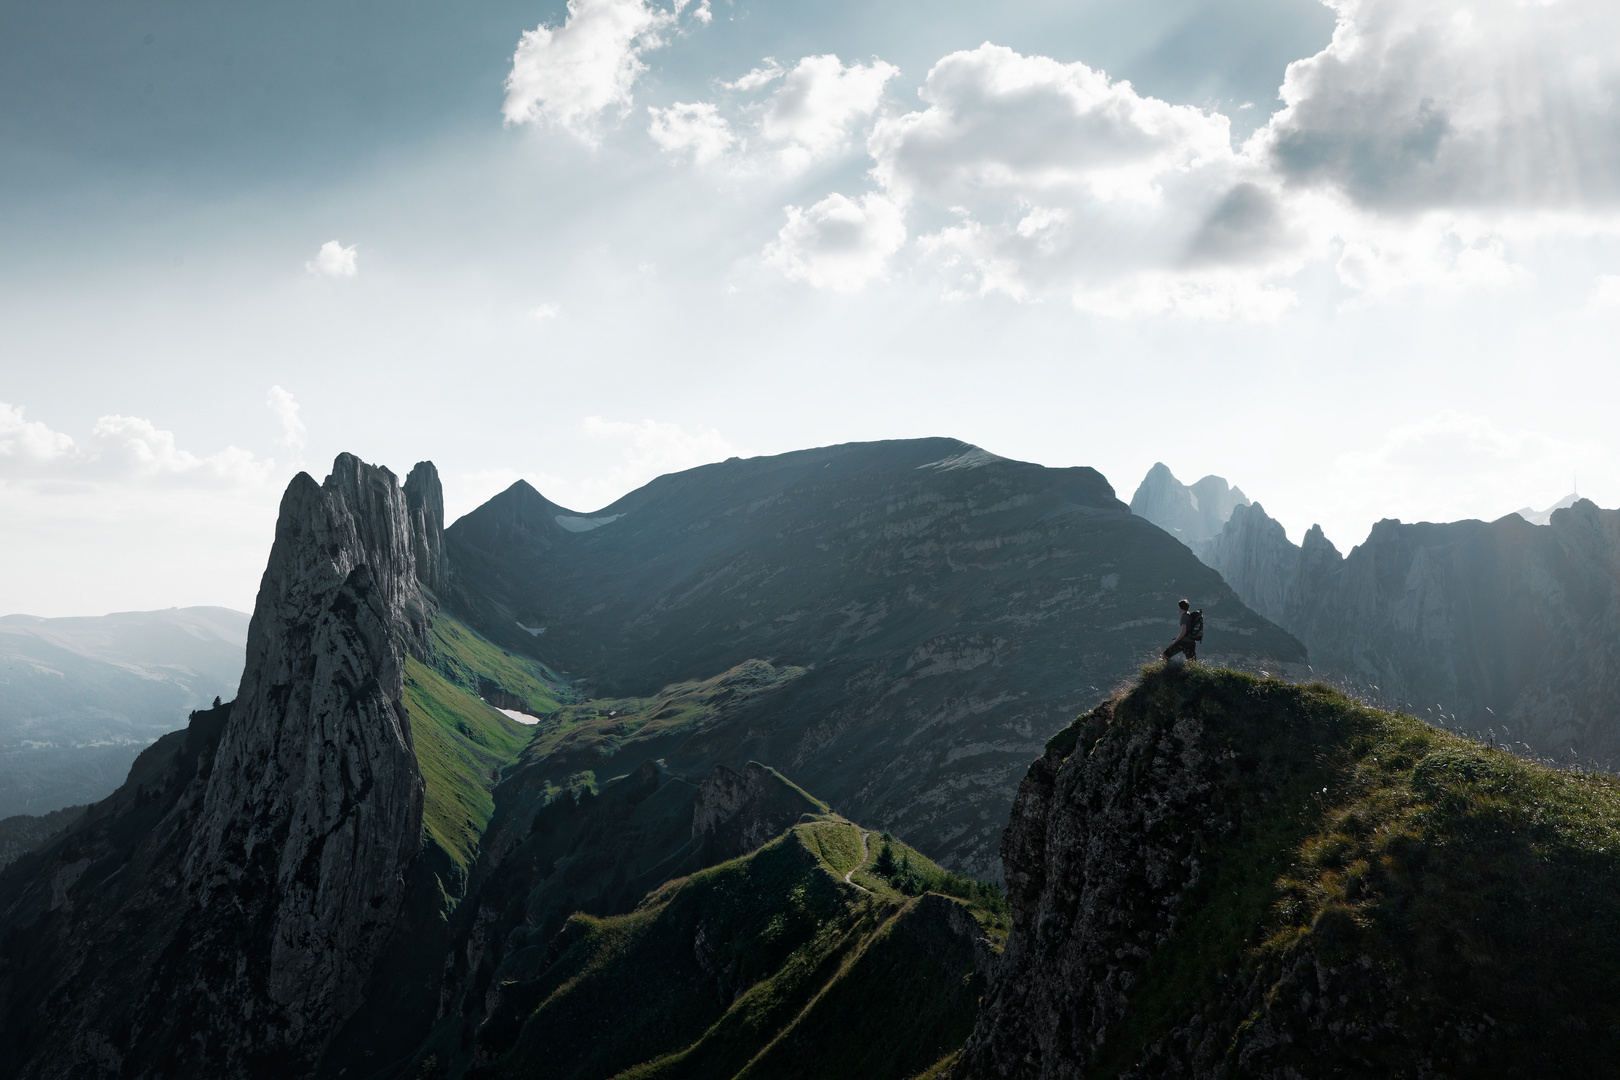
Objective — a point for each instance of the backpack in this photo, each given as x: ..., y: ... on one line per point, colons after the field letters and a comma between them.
x: 1195, y: 625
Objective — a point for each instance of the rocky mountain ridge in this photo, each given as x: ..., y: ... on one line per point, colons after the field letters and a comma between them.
x: 1189, y: 512
x: 1500, y: 625
x: 949, y: 609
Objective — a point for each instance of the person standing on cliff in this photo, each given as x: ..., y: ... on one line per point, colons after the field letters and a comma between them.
x: 1192, y: 631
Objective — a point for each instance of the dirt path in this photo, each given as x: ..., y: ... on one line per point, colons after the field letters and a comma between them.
x: 857, y: 866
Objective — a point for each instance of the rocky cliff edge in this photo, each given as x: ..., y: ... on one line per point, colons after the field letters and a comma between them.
x: 1217, y: 876
x: 266, y: 846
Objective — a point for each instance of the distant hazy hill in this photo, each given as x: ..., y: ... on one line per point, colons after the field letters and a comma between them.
x: 1544, y: 517
x: 79, y: 698
x: 1189, y: 512
x: 1500, y: 624
x: 950, y: 609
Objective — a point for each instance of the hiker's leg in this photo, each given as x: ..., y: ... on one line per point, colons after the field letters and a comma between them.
x: 1192, y: 649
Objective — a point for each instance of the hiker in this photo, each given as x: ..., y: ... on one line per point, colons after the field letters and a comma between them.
x: 1192, y: 632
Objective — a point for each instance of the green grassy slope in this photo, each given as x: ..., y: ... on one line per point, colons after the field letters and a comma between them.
x: 471, y: 661
x: 735, y: 970
x: 461, y: 746
x: 1459, y: 905
x: 580, y: 745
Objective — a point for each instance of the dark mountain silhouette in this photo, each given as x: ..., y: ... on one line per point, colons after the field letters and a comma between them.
x: 953, y: 608
x: 1212, y: 875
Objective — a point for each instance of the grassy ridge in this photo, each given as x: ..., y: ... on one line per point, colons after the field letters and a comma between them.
x: 461, y: 746
x: 584, y: 738
x: 734, y: 971
x: 1465, y: 903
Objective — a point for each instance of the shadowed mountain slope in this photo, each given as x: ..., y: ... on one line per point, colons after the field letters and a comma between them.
x: 1217, y: 876
x: 1501, y: 624
x: 951, y: 609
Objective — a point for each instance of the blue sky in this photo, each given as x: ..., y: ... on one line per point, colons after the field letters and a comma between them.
x: 588, y: 245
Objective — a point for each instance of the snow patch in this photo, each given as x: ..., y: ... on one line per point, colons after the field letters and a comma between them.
x: 583, y: 524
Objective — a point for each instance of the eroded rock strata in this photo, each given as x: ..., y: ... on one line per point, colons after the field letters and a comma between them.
x: 220, y: 914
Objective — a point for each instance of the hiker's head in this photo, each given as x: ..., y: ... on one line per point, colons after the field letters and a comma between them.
x: 1183, y: 605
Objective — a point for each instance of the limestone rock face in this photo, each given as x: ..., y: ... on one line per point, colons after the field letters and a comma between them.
x: 739, y: 812
x: 1499, y: 625
x: 274, y: 870
x: 1189, y: 512
x: 1096, y: 875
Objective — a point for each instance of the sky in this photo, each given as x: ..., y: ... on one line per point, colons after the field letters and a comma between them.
x: 1361, y: 259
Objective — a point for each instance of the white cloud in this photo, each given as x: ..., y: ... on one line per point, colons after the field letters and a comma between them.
x: 335, y: 260
x: 839, y: 243
x: 810, y: 115
x: 569, y: 75
x: 1605, y: 291
x: 28, y: 447
x: 1068, y: 184
x: 1425, y: 104
x: 1019, y: 129
x: 758, y: 77
x: 698, y: 128
x: 121, y: 449
x: 546, y: 312
x: 285, y: 409
x: 813, y: 115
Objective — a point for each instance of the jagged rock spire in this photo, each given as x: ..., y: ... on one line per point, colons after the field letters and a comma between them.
x: 314, y: 809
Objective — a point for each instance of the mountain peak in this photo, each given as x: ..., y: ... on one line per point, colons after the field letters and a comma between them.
x: 1188, y: 512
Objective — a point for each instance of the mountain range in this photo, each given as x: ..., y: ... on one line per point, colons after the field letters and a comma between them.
x: 693, y: 787
x: 949, y: 610
x: 80, y: 697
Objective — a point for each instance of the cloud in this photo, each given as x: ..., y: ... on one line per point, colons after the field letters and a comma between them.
x: 758, y: 77
x: 335, y: 260
x: 1016, y: 128
x: 810, y: 115
x: 1066, y: 183
x: 1605, y: 291
x: 698, y: 128
x: 546, y: 312
x: 567, y: 76
x: 122, y: 450
x: 285, y: 409
x: 28, y: 446
x: 839, y: 243
x: 813, y: 115
x: 1425, y: 104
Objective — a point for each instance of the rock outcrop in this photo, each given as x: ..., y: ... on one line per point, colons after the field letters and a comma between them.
x: 1213, y: 876
x: 1500, y: 625
x: 1189, y: 512
x: 738, y: 812
x: 220, y: 914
